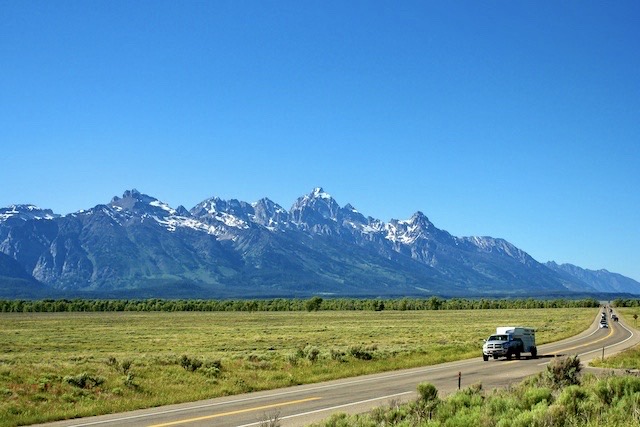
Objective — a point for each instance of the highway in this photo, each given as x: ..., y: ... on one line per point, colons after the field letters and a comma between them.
x: 302, y: 405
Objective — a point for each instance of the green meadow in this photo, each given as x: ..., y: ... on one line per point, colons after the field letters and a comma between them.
x: 63, y: 365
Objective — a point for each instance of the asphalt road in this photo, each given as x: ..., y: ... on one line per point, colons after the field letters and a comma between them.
x: 301, y: 405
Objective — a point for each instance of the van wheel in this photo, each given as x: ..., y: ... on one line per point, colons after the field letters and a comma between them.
x: 485, y: 357
x: 534, y: 352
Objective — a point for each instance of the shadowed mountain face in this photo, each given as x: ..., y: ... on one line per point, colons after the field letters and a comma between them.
x: 138, y: 246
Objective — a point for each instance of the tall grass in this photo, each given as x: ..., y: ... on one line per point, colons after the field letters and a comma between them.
x: 63, y: 365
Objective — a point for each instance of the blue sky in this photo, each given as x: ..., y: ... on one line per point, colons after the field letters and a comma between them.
x: 518, y: 120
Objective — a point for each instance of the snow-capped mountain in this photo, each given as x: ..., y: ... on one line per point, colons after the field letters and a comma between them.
x: 24, y: 213
x: 137, y: 245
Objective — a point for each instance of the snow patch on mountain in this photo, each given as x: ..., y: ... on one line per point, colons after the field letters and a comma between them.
x: 318, y: 192
x: 163, y: 206
x: 25, y: 213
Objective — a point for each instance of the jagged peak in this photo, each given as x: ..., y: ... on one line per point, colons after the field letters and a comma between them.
x: 133, y: 194
x: 24, y: 207
x: 419, y: 215
x: 316, y: 194
x: 350, y: 207
x: 265, y: 201
x: 26, y: 212
x: 268, y: 203
x: 182, y: 211
x: 135, y: 201
x: 213, y: 199
x: 319, y: 192
x: 421, y: 219
x: 211, y: 204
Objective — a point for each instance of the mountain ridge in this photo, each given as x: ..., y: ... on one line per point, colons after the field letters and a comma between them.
x: 225, y: 248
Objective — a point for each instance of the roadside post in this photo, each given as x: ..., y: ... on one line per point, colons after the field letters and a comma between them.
x: 459, y: 379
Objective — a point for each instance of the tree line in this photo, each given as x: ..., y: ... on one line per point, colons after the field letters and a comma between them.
x: 626, y: 302
x: 284, y: 304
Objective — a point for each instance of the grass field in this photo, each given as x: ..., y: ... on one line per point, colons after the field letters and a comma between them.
x: 63, y: 365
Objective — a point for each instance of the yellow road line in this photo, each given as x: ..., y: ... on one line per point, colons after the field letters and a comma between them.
x: 240, y: 411
x: 601, y: 339
x: 578, y: 346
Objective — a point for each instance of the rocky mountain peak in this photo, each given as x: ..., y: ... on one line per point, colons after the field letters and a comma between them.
x: 25, y: 212
x: 138, y: 203
x: 182, y: 211
x: 419, y: 219
x: 216, y: 205
x: 270, y: 214
x: 351, y: 214
x: 130, y: 197
x: 315, y: 205
x: 319, y: 192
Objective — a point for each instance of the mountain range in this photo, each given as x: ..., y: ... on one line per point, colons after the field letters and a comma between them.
x: 138, y: 246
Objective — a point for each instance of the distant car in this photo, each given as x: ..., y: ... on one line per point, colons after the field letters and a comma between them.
x: 614, y: 317
x: 603, y: 325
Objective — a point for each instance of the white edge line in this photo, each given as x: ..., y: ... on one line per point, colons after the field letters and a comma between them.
x: 606, y: 347
x: 609, y: 346
x: 332, y: 408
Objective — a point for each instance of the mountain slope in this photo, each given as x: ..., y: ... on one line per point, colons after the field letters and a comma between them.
x: 136, y: 245
x: 599, y: 280
x: 15, y: 282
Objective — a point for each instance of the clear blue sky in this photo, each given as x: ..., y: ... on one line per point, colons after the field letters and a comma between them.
x: 518, y: 120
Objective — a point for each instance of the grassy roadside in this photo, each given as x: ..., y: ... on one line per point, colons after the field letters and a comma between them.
x: 64, y: 365
x: 556, y: 397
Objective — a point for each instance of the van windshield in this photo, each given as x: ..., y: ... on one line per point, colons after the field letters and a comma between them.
x: 498, y: 338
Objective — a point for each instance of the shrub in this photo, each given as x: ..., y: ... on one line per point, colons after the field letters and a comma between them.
x: 125, y: 365
x: 258, y: 361
x: 112, y: 362
x: 212, y: 368
x: 190, y: 364
x: 556, y: 415
x: 271, y: 420
x: 571, y: 398
x: 563, y: 372
x: 312, y: 354
x: 337, y: 355
x: 83, y: 380
x: 362, y: 353
x: 338, y: 420
x: 293, y: 358
x: 534, y: 396
x: 427, y: 392
x: 129, y: 381
x: 610, y: 389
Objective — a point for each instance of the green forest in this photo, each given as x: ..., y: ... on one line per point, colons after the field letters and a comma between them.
x: 282, y: 304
